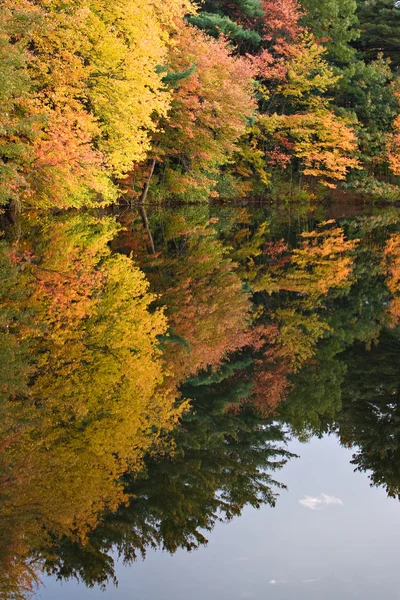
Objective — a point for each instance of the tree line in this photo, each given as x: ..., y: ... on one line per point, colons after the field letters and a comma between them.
x: 171, y: 99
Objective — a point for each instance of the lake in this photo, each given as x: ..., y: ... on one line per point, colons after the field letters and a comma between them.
x: 200, y: 401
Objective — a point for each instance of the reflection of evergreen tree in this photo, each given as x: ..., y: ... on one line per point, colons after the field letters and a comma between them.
x: 223, y: 462
x: 354, y: 315
x: 315, y: 397
x: 370, y: 416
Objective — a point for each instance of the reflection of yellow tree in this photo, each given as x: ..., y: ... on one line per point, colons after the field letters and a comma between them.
x: 286, y: 338
x: 298, y: 335
x: 321, y: 263
x: 96, y: 400
x: 391, y: 266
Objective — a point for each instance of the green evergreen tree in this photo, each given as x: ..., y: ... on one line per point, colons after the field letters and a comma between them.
x: 335, y: 23
x: 380, y: 29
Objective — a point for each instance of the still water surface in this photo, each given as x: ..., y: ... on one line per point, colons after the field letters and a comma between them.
x: 287, y: 553
x: 186, y: 394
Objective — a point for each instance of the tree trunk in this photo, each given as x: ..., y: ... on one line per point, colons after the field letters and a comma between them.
x: 150, y: 246
x: 146, y: 187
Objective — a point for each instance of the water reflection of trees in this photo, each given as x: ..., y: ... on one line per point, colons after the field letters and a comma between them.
x: 105, y: 334
x: 369, y: 419
x: 84, y: 395
x: 223, y: 462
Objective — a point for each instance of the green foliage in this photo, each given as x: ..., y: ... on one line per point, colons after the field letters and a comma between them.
x: 380, y: 29
x: 173, y: 79
x: 366, y: 89
x: 18, y: 123
x: 336, y: 24
x: 215, y: 25
x: 244, y: 8
x: 373, y: 189
x: 369, y: 420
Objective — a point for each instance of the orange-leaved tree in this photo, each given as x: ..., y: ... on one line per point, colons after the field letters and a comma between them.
x: 212, y: 98
x: 297, y: 126
x: 391, y: 266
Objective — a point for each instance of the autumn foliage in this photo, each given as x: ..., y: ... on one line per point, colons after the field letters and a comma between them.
x: 210, y: 104
x: 391, y: 265
x: 168, y: 99
x: 81, y: 93
x: 92, y: 396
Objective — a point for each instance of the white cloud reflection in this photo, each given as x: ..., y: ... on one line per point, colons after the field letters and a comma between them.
x: 316, y: 502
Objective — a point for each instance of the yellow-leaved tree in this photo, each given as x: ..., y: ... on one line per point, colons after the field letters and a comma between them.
x: 84, y: 89
x: 92, y: 397
x: 297, y: 127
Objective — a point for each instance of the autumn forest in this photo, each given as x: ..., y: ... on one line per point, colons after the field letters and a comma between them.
x: 177, y: 100
x: 199, y: 263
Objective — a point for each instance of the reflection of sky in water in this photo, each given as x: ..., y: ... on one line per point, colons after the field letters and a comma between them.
x: 315, y: 549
